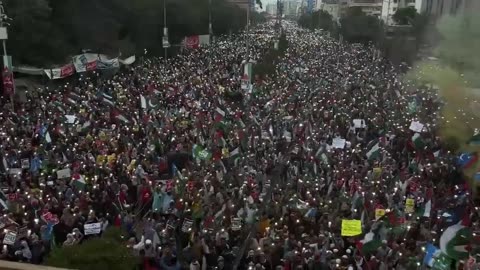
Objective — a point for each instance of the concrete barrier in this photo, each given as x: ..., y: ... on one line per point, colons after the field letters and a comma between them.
x: 6, y: 265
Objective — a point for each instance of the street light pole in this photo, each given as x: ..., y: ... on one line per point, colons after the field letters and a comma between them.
x: 165, y: 41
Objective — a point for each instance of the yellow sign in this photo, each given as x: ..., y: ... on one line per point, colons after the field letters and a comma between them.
x: 409, y: 206
x: 351, y: 227
x: 377, y: 172
x: 379, y: 213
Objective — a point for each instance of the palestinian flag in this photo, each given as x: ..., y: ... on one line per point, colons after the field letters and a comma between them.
x: 116, y: 114
x: 370, y: 243
x: 475, y: 139
x: 374, y: 152
x: 417, y: 141
x: 78, y: 181
x: 455, y: 241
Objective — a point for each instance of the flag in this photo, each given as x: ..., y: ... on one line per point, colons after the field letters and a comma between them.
x: 455, y: 240
x: 235, y: 155
x: 428, y: 208
x: 79, y: 181
x: 442, y: 262
x: 177, y: 172
x: 370, y: 243
x: 417, y: 141
x: 108, y: 99
x: 147, y: 103
x: 196, y: 41
x: 199, y: 153
x: 466, y: 160
x: 116, y: 114
x: 430, y: 254
x: 475, y: 139
x: 374, y: 152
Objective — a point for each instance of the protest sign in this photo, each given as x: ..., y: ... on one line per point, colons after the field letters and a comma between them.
x: 187, y: 225
x: 64, y: 173
x: 409, y: 206
x: 338, y: 143
x: 25, y: 163
x: 92, y: 228
x: 416, y: 126
x: 359, y: 123
x: 10, y: 238
x: 236, y: 224
x: 351, y: 227
x: 379, y: 212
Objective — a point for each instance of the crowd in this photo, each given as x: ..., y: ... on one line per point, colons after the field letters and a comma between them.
x: 206, y: 174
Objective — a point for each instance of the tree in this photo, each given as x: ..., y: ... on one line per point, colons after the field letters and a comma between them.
x: 358, y: 27
x: 405, y: 16
x: 47, y: 32
x: 31, y: 34
x: 106, y: 252
x: 319, y: 19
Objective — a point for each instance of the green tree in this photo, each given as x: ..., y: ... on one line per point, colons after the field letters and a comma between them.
x: 32, y: 37
x: 405, y: 16
x: 45, y: 32
x: 106, y: 252
x: 358, y: 27
x: 319, y: 19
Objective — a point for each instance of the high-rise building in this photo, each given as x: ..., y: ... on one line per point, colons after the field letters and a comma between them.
x: 271, y: 9
x: 369, y: 7
x: 435, y: 8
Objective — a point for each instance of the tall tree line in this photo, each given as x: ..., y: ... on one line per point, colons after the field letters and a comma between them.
x: 46, y: 32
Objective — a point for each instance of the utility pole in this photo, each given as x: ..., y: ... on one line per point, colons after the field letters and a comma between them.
x: 165, y: 42
x: 7, y: 71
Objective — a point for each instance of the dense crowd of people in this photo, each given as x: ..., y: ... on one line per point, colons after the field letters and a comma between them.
x: 205, y: 173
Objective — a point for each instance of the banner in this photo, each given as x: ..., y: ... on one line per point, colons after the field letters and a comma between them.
x: 60, y: 73
x: 351, y: 227
x: 85, y: 62
x: 128, y: 61
x: 195, y: 42
x: 108, y: 63
x: 92, y: 228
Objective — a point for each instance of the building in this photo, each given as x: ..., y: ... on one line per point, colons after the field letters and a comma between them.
x: 435, y: 8
x: 330, y: 6
x: 391, y: 6
x: 271, y: 9
x: 290, y: 8
x: 244, y: 4
x: 369, y: 7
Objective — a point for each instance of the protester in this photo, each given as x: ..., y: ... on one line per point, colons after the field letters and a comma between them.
x: 264, y: 180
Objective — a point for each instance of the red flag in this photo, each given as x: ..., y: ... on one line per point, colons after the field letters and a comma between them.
x: 192, y: 42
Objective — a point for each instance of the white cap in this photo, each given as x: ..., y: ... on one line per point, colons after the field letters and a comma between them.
x: 148, y: 242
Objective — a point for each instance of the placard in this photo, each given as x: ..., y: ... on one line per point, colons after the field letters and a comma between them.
x: 338, y: 143
x: 65, y: 173
x: 379, y: 212
x: 92, y: 228
x: 359, y: 123
x: 25, y: 163
x: 416, y: 126
x: 236, y: 224
x: 10, y: 238
x: 351, y: 227
x: 187, y: 225
x: 409, y: 206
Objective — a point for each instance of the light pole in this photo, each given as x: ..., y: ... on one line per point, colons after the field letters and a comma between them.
x: 7, y: 71
x: 165, y: 42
